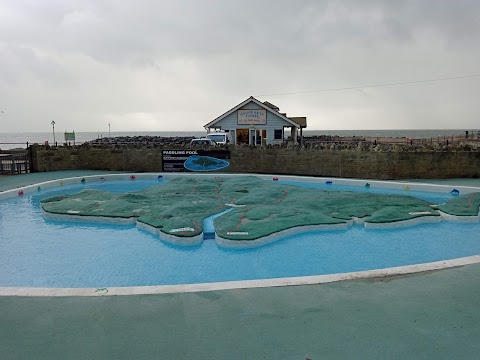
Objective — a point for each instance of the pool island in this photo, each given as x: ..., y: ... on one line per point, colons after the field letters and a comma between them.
x: 260, y: 211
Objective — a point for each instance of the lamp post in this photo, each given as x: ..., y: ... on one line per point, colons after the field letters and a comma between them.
x: 53, y: 126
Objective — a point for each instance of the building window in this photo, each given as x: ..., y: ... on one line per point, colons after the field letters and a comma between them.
x: 278, y: 134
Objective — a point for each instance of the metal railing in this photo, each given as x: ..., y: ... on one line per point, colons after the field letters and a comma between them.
x: 15, y: 163
x: 24, y: 145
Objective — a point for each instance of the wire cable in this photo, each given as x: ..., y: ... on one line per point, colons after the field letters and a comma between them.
x: 374, y: 85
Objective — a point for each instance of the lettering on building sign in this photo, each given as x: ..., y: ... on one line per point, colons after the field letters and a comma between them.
x: 252, y: 117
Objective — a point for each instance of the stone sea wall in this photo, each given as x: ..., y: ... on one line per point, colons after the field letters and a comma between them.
x: 333, y: 160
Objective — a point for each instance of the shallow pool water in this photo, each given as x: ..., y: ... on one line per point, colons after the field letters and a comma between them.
x: 35, y: 252
x: 432, y: 197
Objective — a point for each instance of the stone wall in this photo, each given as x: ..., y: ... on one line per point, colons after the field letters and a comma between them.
x: 89, y: 158
x: 343, y: 162
x: 357, y: 164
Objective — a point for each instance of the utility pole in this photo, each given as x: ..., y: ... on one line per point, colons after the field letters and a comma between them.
x: 53, y: 126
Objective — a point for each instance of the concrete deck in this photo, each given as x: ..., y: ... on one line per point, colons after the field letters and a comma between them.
x: 424, y: 316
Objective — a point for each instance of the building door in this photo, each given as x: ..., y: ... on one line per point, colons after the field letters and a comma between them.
x: 264, y: 137
x: 252, y: 137
x: 260, y: 137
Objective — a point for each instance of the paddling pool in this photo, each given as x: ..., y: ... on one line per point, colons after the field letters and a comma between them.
x: 35, y: 252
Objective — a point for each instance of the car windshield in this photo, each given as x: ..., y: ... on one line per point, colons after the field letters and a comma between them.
x: 202, y: 142
x: 217, y: 138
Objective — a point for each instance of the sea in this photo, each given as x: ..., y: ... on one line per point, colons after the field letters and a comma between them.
x: 21, y: 139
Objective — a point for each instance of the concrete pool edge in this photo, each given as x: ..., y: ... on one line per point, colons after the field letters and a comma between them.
x: 243, y: 284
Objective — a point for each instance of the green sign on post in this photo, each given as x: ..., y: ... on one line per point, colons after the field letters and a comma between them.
x: 70, y: 136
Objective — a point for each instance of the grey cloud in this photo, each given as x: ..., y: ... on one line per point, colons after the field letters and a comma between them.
x: 103, y: 58
x: 19, y: 62
x: 116, y: 32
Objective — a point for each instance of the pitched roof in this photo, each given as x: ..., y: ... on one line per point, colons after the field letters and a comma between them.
x: 251, y: 99
x: 271, y: 106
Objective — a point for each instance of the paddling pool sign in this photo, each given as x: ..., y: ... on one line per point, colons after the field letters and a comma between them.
x: 195, y: 160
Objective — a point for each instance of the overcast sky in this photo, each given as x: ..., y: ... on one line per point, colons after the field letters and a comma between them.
x: 150, y: 65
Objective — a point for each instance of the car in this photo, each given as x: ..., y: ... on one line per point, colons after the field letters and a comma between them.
x: 203, y: 141
x: 220, y: 138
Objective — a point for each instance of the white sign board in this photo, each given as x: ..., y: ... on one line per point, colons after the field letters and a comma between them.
x: 252, y: 117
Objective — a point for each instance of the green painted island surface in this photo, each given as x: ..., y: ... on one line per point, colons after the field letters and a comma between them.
x: 259, y: 208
